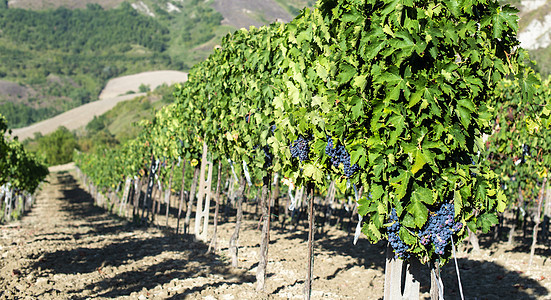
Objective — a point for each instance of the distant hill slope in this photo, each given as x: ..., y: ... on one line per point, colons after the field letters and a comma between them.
x: 80, y: 116
x: 71, y: 4
x: 121, y: 85
x: 55, y: 59
x: 535, y: 31
x: 244, y: 13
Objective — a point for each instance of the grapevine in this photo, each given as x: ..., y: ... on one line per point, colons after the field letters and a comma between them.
x: 398, y: 95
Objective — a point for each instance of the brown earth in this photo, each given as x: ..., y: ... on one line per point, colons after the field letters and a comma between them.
x: 11, y: 90
x: 67, y: 248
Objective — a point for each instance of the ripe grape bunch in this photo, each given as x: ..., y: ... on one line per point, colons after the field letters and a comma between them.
x: 268, y: 157
x: 439, y: 228
x: 340, y: 155
x: 525, y: 152
x: 300, y: 148
x: 394, y: 239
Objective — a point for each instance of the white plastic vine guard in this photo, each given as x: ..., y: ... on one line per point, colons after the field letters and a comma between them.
x: 247, y: 175
x: 233, y: 169
x: 293, y: 200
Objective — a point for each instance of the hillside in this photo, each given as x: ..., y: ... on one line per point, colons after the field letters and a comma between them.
x: 65, y: 55
x: 57, y: 59
x: 115, y: 91
x: 535, y: 31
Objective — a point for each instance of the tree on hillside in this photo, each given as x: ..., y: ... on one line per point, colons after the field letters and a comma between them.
x: 58, y: 146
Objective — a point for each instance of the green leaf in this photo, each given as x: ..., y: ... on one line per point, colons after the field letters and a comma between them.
x: 355, y: 155
x: 357, y: 108
x: 408, y: 220
x: 419, y: 161
x: 464, y: 116
x: 406, y: 236
x: 365, y: 205
x: 504, y: 20
x: 400, y: 184
x: 419, y: 211
x: 294, y: 94
x: 415, y: 97
x: 376, y: 192
x: 486, y: 221
x: 341, y: 184
x: 360, y: 82
x: 457, y: 203
x: 372, y: 233
x: 422, y: 194
x: 346, y: 73
x: 501, y: 201
x: 313, y: 172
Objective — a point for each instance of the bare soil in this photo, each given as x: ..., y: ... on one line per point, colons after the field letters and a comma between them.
x: 67, y: 248
x: 121, y: 85
x: 11, y: 90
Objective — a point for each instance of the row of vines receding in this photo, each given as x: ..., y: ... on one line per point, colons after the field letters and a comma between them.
x: 20, y: 175
x: 424, y: 112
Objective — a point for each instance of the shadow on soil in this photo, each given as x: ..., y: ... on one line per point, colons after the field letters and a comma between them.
x: 89, y: 259
x: 481, y: 279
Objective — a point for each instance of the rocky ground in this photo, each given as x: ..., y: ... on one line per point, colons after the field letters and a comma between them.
x: 67, y: 248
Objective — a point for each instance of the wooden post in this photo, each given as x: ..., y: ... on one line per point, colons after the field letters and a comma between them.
x: 265, y: 236
x: 393, y: 276
x: 137, y: 193
x: 150, y: 184
x: 191, y: 200
x: 546, y: 213
x: 212, y: 245
x: 436, y: 286
x: 311, y: 222
x: 473, y: 239
x: 412, y: 285
x: 125, y: 194
x: 182, y: 195
x: 537, y: 220
x: 275, y: 197
x: 327, y: 204
x: 203, y: 198
x: 234, y: 247
x: 168, y: 192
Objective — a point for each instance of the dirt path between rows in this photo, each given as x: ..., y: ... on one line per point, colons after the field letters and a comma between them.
x: 67, y: 248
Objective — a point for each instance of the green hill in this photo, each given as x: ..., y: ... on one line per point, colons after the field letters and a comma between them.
x: 62, y: 58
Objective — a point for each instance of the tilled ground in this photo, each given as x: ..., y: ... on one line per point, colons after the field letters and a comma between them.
x: 66, y: 248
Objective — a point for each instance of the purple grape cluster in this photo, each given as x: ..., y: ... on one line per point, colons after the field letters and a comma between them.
x: 439, y: 228
x: 400, y: 248
x: 339, y: 155
x: 268, y: 157
x: 525, y: 152
x: 300, y: 148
